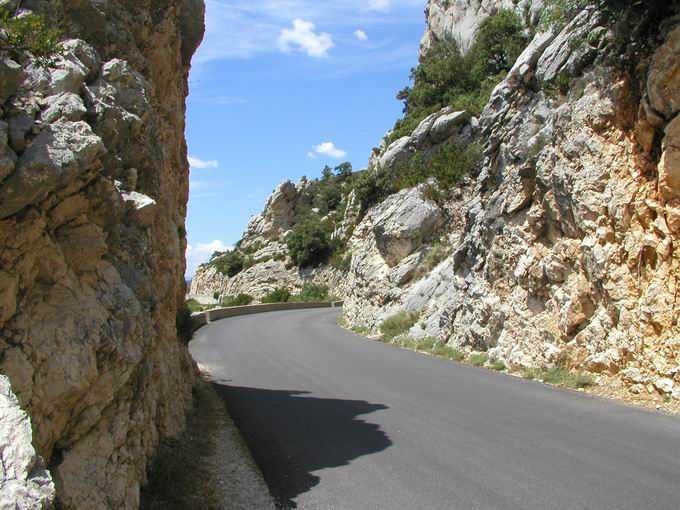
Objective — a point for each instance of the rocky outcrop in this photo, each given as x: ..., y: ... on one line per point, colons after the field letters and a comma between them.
x: 566, y: 254
x: 24, y: 480
x: 445, y: 125
x: 93, y: 191
x: 403, y: 223
x: 458, y: 20
x: 278, y: 215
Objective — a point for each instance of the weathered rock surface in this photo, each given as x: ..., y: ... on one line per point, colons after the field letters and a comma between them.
x: 566, y: 254
x: 458, y: 20
x: 404, y: 222
x: 25, y: 482
x: 93, y: 191
x: 278, y: 216
x: 562, y: 250
x: 442, y: 126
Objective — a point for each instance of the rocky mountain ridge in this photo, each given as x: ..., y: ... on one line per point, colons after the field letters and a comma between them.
x: 93, y: 192
x: 558, y: 250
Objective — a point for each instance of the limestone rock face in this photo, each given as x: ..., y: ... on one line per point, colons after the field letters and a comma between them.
x: 403, y: 223
x: 442, y: 126
x: 26, y: 484
x: 93, y: 191
x: 278, y: 215
x: 458, y: 20
x: 562, y: 250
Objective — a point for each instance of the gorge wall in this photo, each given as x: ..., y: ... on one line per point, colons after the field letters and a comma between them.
x: 93, y: 193
x: 561, y: 248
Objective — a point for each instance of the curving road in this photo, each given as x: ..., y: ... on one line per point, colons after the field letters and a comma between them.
x: 336, y: 421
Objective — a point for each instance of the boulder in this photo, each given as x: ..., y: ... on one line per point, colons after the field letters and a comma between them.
x: 68, y: 76
x: 7, y: 157
x: 67, y: 106
x: 58, y: 154
x: 85, y: 54
x: 397, y: 151
x: 11, y: 76
x: 404, y: 222
x: 24, y: 481
x: 445, y: 126
x: 663, y: 81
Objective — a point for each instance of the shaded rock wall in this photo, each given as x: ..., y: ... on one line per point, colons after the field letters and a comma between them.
x: 93, y: 192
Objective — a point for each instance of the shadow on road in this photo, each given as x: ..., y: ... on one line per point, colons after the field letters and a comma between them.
x: 291, y: 435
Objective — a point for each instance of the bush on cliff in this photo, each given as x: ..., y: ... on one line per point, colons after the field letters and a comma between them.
x: 308, y: 242
x: 278, y: 295
x: 228, y: 263
x: 28, y: 33
x: 447, y: 164
x: 446, y: 77
x: 311, y: 293
x: 239, y: 300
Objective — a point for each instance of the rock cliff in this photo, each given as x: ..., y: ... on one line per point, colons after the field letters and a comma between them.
x: 560, y: 248
x: 93, y: 192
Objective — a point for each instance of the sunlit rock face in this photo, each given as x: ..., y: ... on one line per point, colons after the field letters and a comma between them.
x: 93, y: 191
x: 458, y: 20
x: 566, y: 250
x: 560, y: 250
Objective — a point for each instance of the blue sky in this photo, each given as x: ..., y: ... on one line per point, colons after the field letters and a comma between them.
x: 280, y: 88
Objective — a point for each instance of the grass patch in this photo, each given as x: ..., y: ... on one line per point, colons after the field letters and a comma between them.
x: 195, y: 306
x: 180, y: 477
x: 426, y: 344
x: 559, y: 377
x: 239, y: 300
x: 398, y: 324
x: 278, y: 295
x: 361, y: 330
x: 446, y: 352
x: 498, y: 365
x: 478, y: 359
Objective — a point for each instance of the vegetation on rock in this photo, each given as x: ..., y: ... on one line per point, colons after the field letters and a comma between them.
x: 446, y: 77
x: 238, y: 300
x: 308, y: 242
x: 397, y: 324
x: 28, y: 33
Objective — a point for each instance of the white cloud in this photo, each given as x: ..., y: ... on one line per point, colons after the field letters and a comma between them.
x: 311, y: 155
x: 302, y: 35
x: 197, y: 163
x: 247, y: 28
x: 361, y: 35
x: 200, y: 253
x: 329, y: 149
x: 380, y: 5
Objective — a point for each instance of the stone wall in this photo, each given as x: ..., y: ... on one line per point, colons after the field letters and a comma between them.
x: 93, y: 192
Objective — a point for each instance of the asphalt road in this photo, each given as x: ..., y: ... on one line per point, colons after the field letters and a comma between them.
x: 336, y: 421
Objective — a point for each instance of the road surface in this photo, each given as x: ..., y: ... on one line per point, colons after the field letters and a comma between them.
x: 336, y: 421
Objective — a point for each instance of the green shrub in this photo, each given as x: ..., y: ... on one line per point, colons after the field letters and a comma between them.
x: 194, y: 306
x: 239, y: 300
x: 308, y: 242
x: 185, y: 324
x: 278, y: 295
x: 498, y: 365
x: 478, y: 359
x: 426, y: 344
x: 446, y: 352
x: 445, y: 77
x: 28, y: 33
x: 342, y: 261
x: 361, y: 330
x: 397, y: 324
x: 447, y: 164
x: 228, y: 263
x: 311, y: 293
x: 559, y: 376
